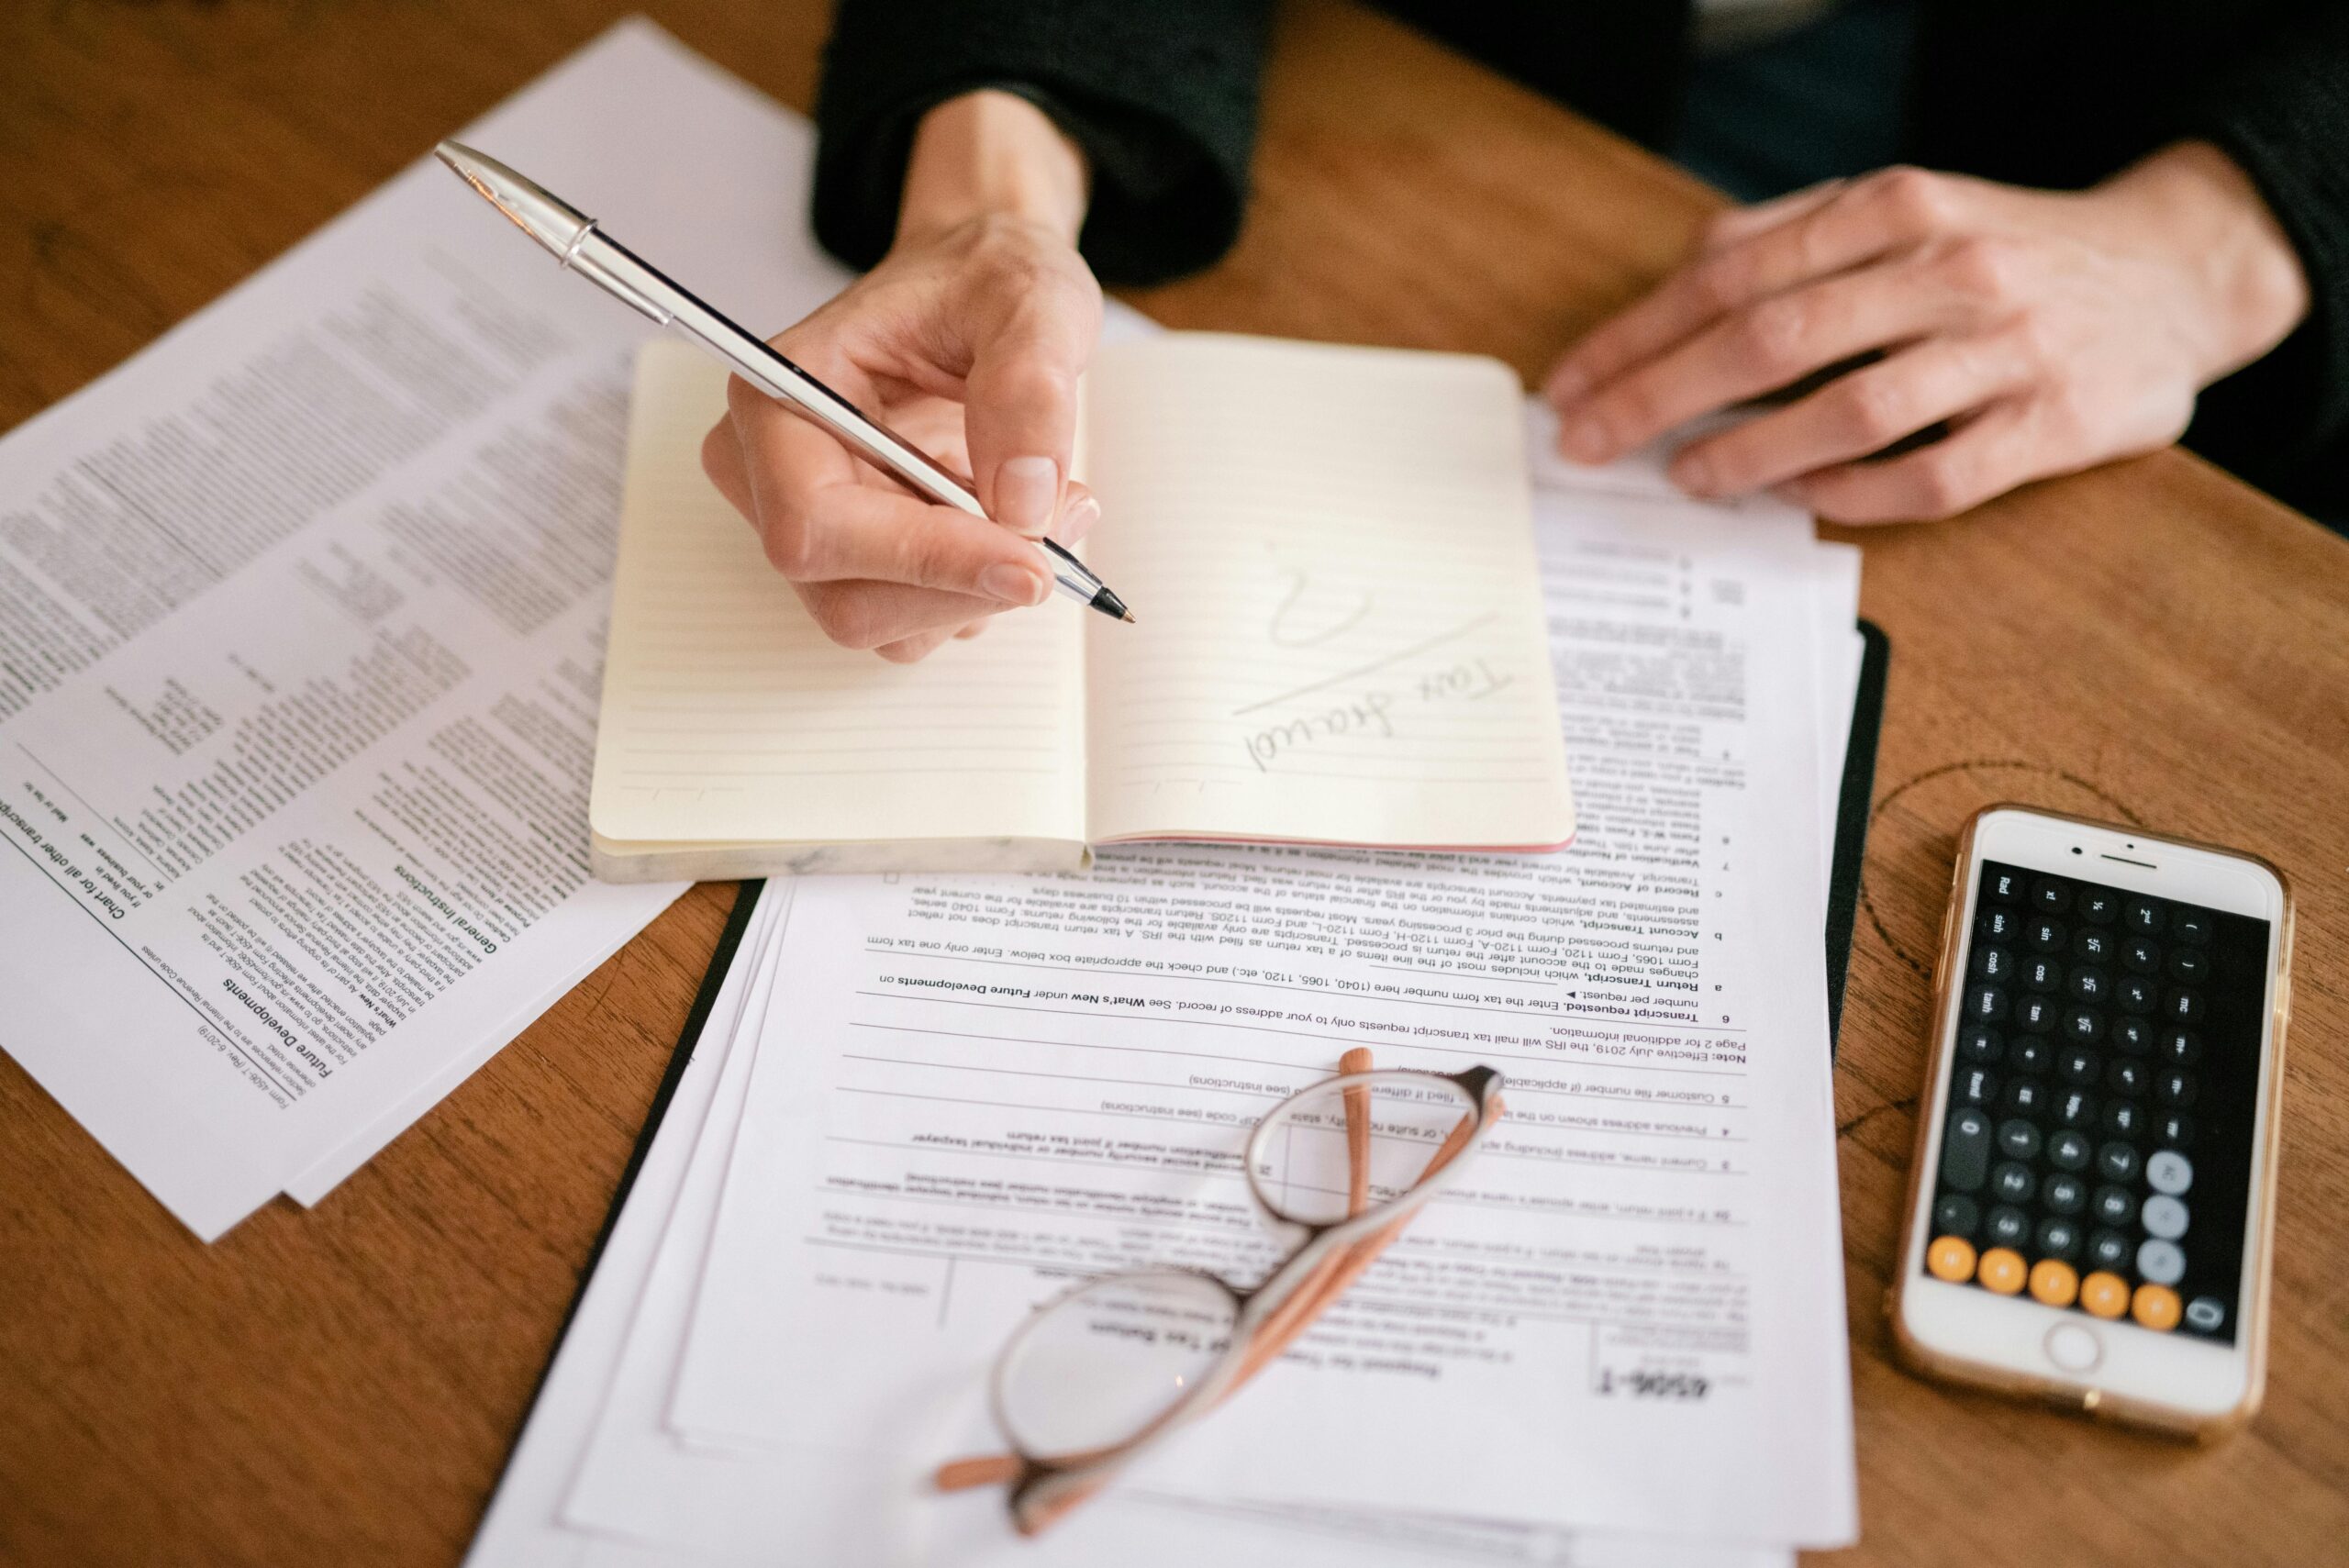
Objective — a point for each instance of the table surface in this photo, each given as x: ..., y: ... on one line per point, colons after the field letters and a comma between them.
x: 2153, y: 642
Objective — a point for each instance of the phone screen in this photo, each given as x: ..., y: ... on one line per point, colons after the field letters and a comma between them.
x: 2096, y: 1141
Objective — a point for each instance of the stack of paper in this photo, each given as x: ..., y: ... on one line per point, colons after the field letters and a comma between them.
x: 923, y: 1103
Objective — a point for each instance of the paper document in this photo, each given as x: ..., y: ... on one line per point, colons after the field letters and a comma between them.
x: 302, y: 614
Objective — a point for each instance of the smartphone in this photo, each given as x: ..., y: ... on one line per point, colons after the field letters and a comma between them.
x: 2091, y: 1208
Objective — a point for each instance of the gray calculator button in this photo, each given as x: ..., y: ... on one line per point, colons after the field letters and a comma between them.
x: 2205, y: 1313
x: 1965, y: 1153
x: 2068, y: 1151
x: 2169, y: 1171
x: 2164, y: 1218
x: 2161, y: 1262
x: 2019, y: 1140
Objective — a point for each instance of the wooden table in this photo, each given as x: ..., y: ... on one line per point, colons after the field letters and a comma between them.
x: 2154, y: 642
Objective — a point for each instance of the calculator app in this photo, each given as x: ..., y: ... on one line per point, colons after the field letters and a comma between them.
x: 2097, y: 1143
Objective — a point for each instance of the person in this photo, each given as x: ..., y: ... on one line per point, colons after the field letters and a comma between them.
x: 2138, y: 229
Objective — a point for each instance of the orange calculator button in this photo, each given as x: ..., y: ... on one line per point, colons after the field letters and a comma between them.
x: 1950, y: 1257
x: 2105, y: 1295
x: 2155, y: 1307
x: 2054, y: 1282
x: 2001, y: 1271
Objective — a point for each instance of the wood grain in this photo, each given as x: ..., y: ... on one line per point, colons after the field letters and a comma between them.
x: 2154, y: 642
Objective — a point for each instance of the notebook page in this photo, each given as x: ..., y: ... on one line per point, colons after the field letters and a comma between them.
x: 730, y: 717
x: 1339, y: 634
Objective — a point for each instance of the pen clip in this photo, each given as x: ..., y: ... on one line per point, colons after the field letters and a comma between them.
x: 589, y: 266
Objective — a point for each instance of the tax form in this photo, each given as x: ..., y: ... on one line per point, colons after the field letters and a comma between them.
x: 969, y: 1089
x: 301, y: 631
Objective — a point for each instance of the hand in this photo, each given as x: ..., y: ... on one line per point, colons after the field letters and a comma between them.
x: 967, y: 340
x: 2047, y: 331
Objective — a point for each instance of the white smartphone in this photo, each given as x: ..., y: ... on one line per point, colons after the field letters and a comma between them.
x: 2091, y: 1207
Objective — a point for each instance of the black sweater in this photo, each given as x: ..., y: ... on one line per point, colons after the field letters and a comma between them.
x: 1162, y: 93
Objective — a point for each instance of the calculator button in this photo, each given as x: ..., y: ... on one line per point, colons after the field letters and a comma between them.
x: 2041, y: 974
x: 2004, y: 887
x: 2115, y: 1206
x: 2174, y: 1131
x: 2127, y: 1076
x: 2068, y: 1151
x: 2161, y: 1261
x: 2175, y: 1087
x: 2018, y: 1139
x: 2008, y: 1227
x: 1994, y: 964
x: 2083, y: 1024
x: 2190, y: 964
x: 2074, y: 1109
x: 2092, y: 946
x: 2184, y: 1006
x: 2000, y: 925
x: 2117, y: 1162
x: 2076, y: 1064
x: 2046, y: 934
x: 2063, y: 1195
x: 2024, y: 1096
x: 2142, y: 916
x: 2050, y: 895
x: 2053, y: 1281
x: 2141, y: 955
x: 2134, y: 1035
x: 2135, y: 993
x: 2181, y: 1046
x: 2036, y: 1015
x: 1965, y: 1150
x: 1978, y: 1043
x: 1956, y: 1215
x: 2105, y: 1293
x: 2125, y: 1120
x: 1975, y: 1086
x: 2001, y: 1270
x: 2087, y: 984
x: 2059, y: 1238
x: 2205, y: 1313
x: 1985, y: 1004
x: 2028, y: 1053
x: 2169, y: 1173
x: 1950, y: 1257
x: 2154, y: 1305
x: 2164, y: 1217
x: 2110, y: 1250
x: 2191, y: 927
x: 2012, y: 1181
x: 2096, y: 905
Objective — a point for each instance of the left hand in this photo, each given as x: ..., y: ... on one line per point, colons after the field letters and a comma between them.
x: 2049, y: 331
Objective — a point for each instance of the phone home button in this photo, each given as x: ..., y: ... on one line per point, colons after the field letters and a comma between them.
x: 2074, y: 1347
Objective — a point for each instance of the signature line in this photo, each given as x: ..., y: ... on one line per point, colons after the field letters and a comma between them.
x: 1343, y: 676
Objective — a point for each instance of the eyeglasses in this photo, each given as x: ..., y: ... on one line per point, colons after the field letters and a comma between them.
x: 1097, y: 1374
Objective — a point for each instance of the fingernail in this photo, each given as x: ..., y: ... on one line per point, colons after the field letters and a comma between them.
x: 1077, y: 519
x: 1025, y: 491
x: 1693, y: 474
x: 1014, y: 585
x: 1581, y: 439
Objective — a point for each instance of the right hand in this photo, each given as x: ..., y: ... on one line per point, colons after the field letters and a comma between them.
x: 967, y: 340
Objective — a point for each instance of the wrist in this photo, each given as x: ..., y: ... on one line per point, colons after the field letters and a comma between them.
x: 991, y: 154
x: 2196, y: 204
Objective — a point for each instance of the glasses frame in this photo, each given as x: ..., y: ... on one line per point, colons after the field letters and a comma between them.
x: 1044, y: 1486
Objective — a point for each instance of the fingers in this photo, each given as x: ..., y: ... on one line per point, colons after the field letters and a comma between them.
x: 2002, y: 447
x: 1030, y: 344
x: 1851, y: 416
x: 1850, y: 226
x: 883, y: 615
x: 1727, y: 228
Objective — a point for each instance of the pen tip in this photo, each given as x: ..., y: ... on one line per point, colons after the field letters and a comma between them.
x: 1130, y: 618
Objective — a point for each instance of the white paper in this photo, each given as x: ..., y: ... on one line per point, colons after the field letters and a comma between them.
x: 993, y: 1010
x: 301, y: 617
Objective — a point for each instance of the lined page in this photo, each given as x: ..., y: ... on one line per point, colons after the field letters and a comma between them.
x: 730, y: 717
x: 1340, y: 636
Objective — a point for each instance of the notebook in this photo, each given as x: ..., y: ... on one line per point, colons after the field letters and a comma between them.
x: 1339, y: 639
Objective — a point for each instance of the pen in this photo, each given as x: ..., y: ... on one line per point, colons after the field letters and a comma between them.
x: 576, y: 243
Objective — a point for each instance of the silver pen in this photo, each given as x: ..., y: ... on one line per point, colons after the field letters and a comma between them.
x: 575, y: 241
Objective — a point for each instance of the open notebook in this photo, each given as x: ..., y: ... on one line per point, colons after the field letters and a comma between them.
x: 1339, y: 639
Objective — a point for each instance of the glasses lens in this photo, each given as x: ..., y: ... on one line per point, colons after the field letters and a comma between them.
x: 1356, y: 1144
x: 1095, y: 1369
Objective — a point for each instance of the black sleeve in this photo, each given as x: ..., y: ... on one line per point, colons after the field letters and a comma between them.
x: 2282, y: 115
x: 1161, y: 94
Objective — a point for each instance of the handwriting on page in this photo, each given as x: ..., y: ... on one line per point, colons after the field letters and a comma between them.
x: 1373, y: 701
